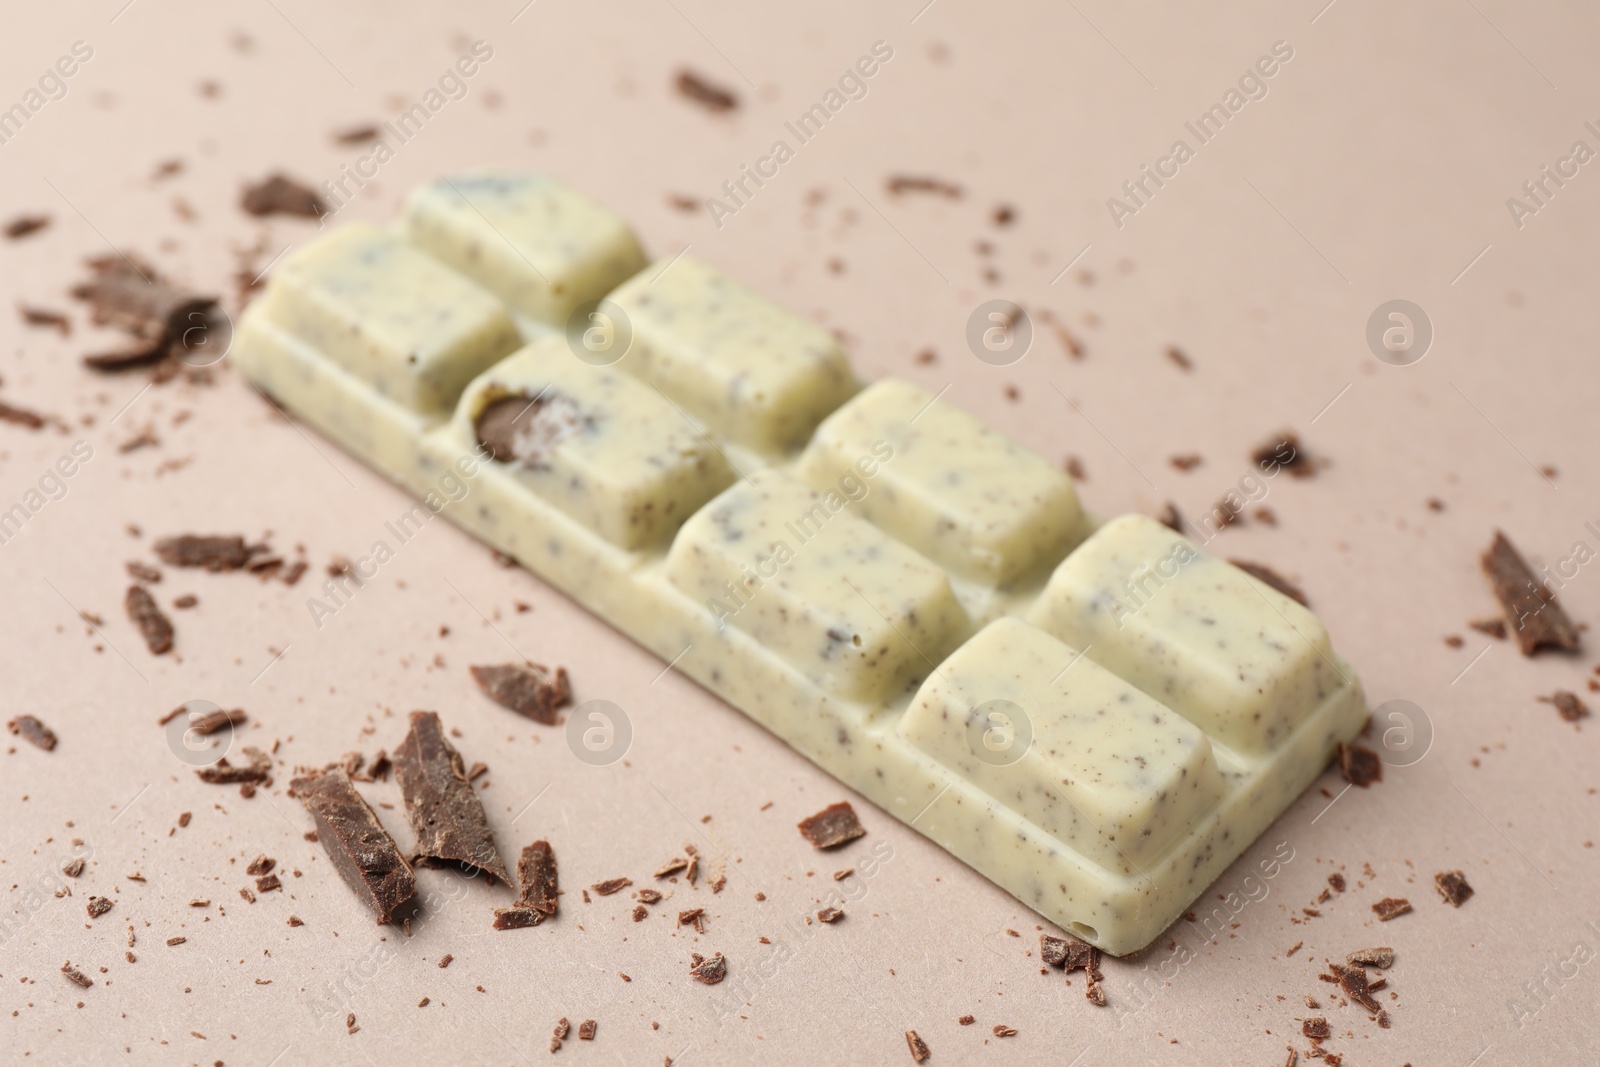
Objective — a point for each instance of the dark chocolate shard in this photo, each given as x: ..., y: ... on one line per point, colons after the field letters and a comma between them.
x: 611, y: 885
x: 830, y: 915
x: 31, y: 729
x: 1568, y: 705
x: 21, y: 226
x: 212, y: 721
x: 901, y: 184
x: 360, y: 848
x: 21, y: 416
x: 1353, y: 980
x: 1532, y: 613
x: 76, y: 976
x: 131, y: 296
x: 214, y: 553
x: 517, y: 918
x: 918, y: 1047
x: 1453, y: 887
x: 714, y: 98
x: 257, y: 769
x: 833, y: 826
x: 1267, y: 576
x: 587, y: 1030
x: 1359, y: 765
x: 529, y: 690
x: 537, y: 872
x: 279, y: 194
x: 155, y: 626
x: 1316, y: 1029
x: 1391, y: 907
x: 45, y: 317
x: 1380, y: 958
x: 442, y: 806
x: 710, y: 971
x: 97, y: 907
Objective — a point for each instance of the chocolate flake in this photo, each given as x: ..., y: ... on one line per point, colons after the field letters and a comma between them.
x: 1316, y: 1028
x: 142, y: 572
x: 268, y: 882
x: 1359, y: 765
x: 212, y: 721
x: 1568, y: 705
x: 21, y: 416
x: 23, y: 225
x: 262, y: 864
x: 155, y: 626
x: 531, y: 690
x: 830, y: 915
x: 131, y: 296
x: 32, y: 730
x: 45, y: 317
x: 1531, y: 610
x: 901, y: 184
x: 1267, y: 576
x: 279, y: 194
x: 224, y: 773
x: 562, y: 1029
x: 1453, y: 887
x: 611, y: 885
x: 1391, y: 907
x: 648, y: 896
x: 537, y: 871
x: 695, y: 917
x: 1353, y: 980
x: 97, y: 907
x: 1380, y: 958
x: 1002, y: 1030
x: 709, y: 971
x: 586, y: 1030
x: 73, y: 868
x: 75, y: 975
x: 966, y: 1020
x: 713, y: 98
x: 517, y: 918
x: 833, y: 826
x: 1284, y: 453
x: 174, y: 942
x: 1495, y: 628
x: 671, y: 867
x: 918, y: 1047
x: 213, y: 552
x: 360, y: 848
x: 444, y: 810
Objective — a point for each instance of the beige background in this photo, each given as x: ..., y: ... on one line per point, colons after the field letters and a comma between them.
x: 1377, y: 166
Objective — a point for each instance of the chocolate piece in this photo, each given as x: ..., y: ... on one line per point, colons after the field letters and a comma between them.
x: 557, y: 1035
x: 131, y: 296
x: 22, y: 225
x: 444, y: 810
x: 1180, y: 358
x: 1053, y: 950
x: 537, y: 872
x: 640, y: 913
x: 830, y: 915
x: 75, y: 975
x: 1284, y: 453
x: 1381, y: 958
x: 966, y: 1020
x: 1495, y: 628
x: 142, y: 572
x: 1267, y: 576
x: 833, y: 826
x: 21, y: 416
x: 517, y: 918
x: 712, y: 97
x: 1170, y: 518
x: 279, y: 194
x: 31, y: 729
x: 1568, y: 705
x: 1002, y: 1030
x: 709, y: 971
x: 213, y: 552
x: 901, y: 183
x: 212, y: 721
x: 268, y: 882
x: 174, y: 942
x: 611, y: 885
x: 360, y: 848
x: 527, y: 690
x: 1531, y: 610
x: 648, y: 896
x: 134, y: 355
x: 1453, y: 887
x: 224, y: 773
x: 586, y: 1030
x: 97, y: 907
x: 262, y: 864
x: 1186, y: 462
x: 526, y: 429
x: 1316, y: 1028
x: 918, y: 1047
x: 358, y: 134
x: 1337, y: 881
x: 695, y: 917
x: 1353, y: 980
x: 73, y: 868
x: 671, y: 867
x: 156, y: 627
x: 37, y: 316
x: 1391, y: 907
x: 1359, y: 764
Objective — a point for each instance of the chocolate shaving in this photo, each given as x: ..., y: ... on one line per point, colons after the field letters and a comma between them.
x: 1316, y: 1028
x: 31, y: 729
x: 37, y: 316
x: 358, y: 134
x: 224, y: 773
x: 142, y: 572
x: 918, y: 1047
x: 830, y: 915
x: 212, y: 721
x: 709, y: 971
x: 74, y: 867
x: 1531, y: 610
x: 531, y: 690
x: 21, y: 416
x: 1002, y: 1030
x: 75, y: 975
x: 1380, y: 958
x: 1495, y: 628
x: 648, y: 896
x: 833, y: 826
x: 901, y: 184
x: 213, y: 552
x: 444, y: 810
x: 1359, y: 765
x: 155, y: 626
x: 97, y: 907
x: 1353, y: 980
x: 671, y: 867
x: 695, y: 917
x: 1285, y: 453
x: 1568, y: 705
x: 1179, y: 357
x: 611, y: 885
x: 562, y: 1029
x: 586, y: 1030
x: 1391, y: 907
x: 540, y: 895
x: 1269, y: 577
x: 279, y: 194
x: 1453, y: 887
x: 714, y: 98
x: 517, y: 918
x: 360, y: 848
x: 22, y: 225
x: 262, y: 864
x: 268, y: 882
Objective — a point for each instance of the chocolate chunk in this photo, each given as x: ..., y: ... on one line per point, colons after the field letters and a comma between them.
x: 279, y: 194
x: 37, y: 316
x: 21, y: 416
x: 557, y: 1035
x: 1531, y: 610
x: 1316, y: 1028
x: 97, y: 907
x: 640, y: 913
x: 212, y: 721
x: 833, y: 826
x: 1068, y: 953
x: 213, y: 552
x: 444, y: 810
x: 830, y: 915
x: 174, y: 942
x: 1267, y: 576
x: 537, y: 872
x: 918, y: 1047
x: 611, y: 885
x: 31, y: 729
x: 75, y: 975
x: 1053, y: 950
x: 1359, y: 765
x: 527, y: 690
x: 901, y: 184
x: 517, y: 918
x: 1568, y: 705
x: 258, y: 769
x: 709, y: 971
x: 1337, y: 881
x: 268, y: 882
x: 156, y: 627
x: 361, y: 849
x: 1284, y: 453
x: 966, y: 1020
x: 692, y: 86
x: 22, y: 225
x: 1391, y: 907
x: 586, y: 1030
x: 262, y: 864
x: 1381, y: 958
x: 1453, y: 887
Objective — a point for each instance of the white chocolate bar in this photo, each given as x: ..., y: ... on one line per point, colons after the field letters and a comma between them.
x: 1098, y: 719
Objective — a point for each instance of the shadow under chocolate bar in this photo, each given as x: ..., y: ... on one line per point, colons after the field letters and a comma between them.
x: 1097, y: 716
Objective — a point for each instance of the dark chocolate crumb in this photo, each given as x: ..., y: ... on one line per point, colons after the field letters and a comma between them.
x: 709, y: 971
x: 32, y: 730
x: 75, y: 975
x: 262, y: 864
x: 611, y: 885
x: 918, y: 1047
x: 1568, y: 705
x: 695, y: 917
x: 1316, y: 1028
x: 153, y: 625
x: 713, y: 98
x: 966, y: 1020
x: 1391, y: 907
x: 833, y: 826
x: 830, y: 915
x: 21, y: 226
x: 1453, y: 887
x: 1379, y: 958
x: 586, y: 1030
x: 1002, y: 1030
x: 1495, y: 628
x: 1531, y: 610
x: 1179, y: 358
x: 211, y: 551
x: 900, y: 184
x: 532, y: 690
x: 279, y: 194
x: 1359, y: 764
x: 45, y: 317
x: 98, y: 906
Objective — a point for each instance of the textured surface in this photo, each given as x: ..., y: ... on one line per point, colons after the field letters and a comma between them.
x: 1391, y: 141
